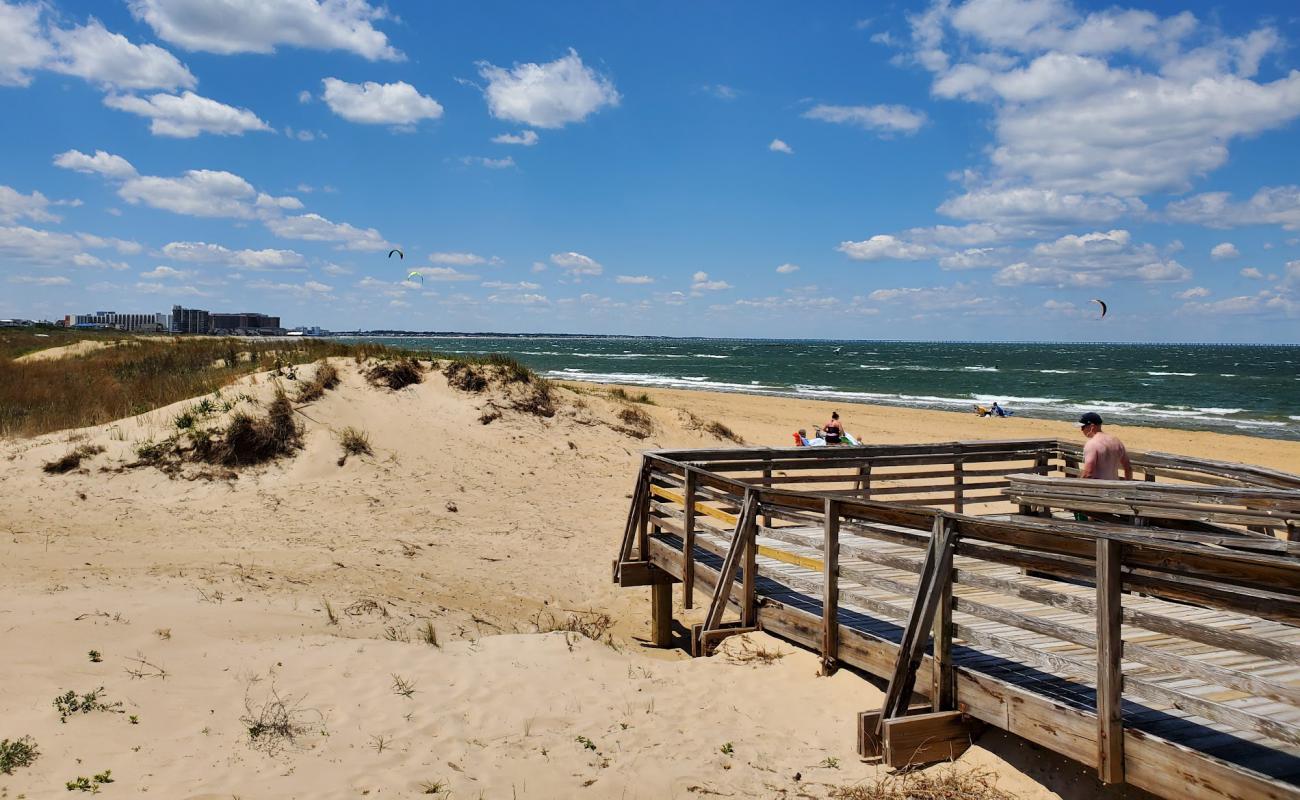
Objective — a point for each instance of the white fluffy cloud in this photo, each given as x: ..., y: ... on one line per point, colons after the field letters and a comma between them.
x: 525, y: 138
x: 253, y: 260
x: 97, y: 55
x: 462, y: 259
x: 634, y: 280
x: 1271, y: 205
x: 787, y: 269
x: 882, y: 119
x: 549, y: 95
x: 1224, y: 250
x: 444, y: 274
x: 379, y: 103
x: 187, y: 115
x: 101, y: 163
x: 259, y: 26
x: 35, y: 280
x: 1067, y: 118
x: 315, y: 228
x: 204, y: 193
x: 577, y: 263
x: 884, y: 247
x: 23, y: 46
x: 21, y: 243
x: 1253, y: 273
x: 1193, y: 293
x: 489, y: 163
x: 700, y: 282
x: 778, y: 146
x: 14, y: 205
x: 1037, y: 205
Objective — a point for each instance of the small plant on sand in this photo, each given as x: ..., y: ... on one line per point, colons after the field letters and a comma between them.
x: 330, y: 615
x: 465, y: 376
x: 586, y: 743
x: 727, y: 749
x: 276, y: 722
x: 746, y: 652
x: 380, y: 742
x: 402, y: 686
x: 134, y: 719
x: 636, y: 423
x: 325, y: 378
x: 944, y: 783
x: 70, y: 703
x: 72, y: 459
x: 355, y: 442
x: 830, y: 762
x: 434, y: 787
x: 18, y: 753
x: 619, y: 393
x: 429, y: 635
x: 95, y: 656
x: 251, y: 440
x: 163, y: 633
x: 591, y: 624
x: 91, y: 784
x: 723, y: 432
x: 397, y: 374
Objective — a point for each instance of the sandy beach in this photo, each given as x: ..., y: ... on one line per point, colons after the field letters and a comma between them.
x: 404, y: 612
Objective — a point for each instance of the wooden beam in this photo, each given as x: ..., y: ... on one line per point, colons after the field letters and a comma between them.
x: 925, y: 738
x: 642, y: 573
x: 1110, y: 676
x: 830, y: 588
x: 942, y: 691
x: 688, y: 538
x: 661, y: 614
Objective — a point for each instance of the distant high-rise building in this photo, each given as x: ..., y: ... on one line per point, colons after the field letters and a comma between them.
x: 150, y: 323
x: 245, y: 323
x: 190, y: 320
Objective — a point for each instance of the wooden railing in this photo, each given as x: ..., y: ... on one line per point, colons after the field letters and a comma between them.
x: 1085, y: 585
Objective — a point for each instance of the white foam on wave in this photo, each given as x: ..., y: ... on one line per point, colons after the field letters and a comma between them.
x: 1057, y: 371
x: 1184, y: 374
x: 666, y: 381
x: 979, y: 369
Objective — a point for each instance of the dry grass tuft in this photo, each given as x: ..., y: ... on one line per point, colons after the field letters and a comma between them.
x: 591, y: 624
x: 72, y: 460
x: 116, y: 382
x: 746, y: 652
x: 277, y: 722
x: 325, y: 378
x: 465, y: 376
x: 721, y: 431
x: 636, y: 422
x: 252, y: 440
x: 943, y: 783
x: 618, y: 393
x: 355, y: 442
x: 396, y: 374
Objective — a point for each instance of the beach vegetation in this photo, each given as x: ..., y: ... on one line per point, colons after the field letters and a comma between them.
x: 276, y: 722
x: 20, y: 752
x: 586, y: 743
x: 91, y: 784
x: 403, y: 686
x: 110, y: 383
x: 727, y: 749
x: 70, y: 703
x: 434, y: 787
x: 72, y: 459
x: 249, y: 439
x: 394, y: 374
x: 355, y: 442
x: 429, y: 634
x: 636, y: 422
x: 619, y: 393
x: 380, y: 742
x: 944, y: 783
x: 95, y: 656
x: 330, y: 614
x: 594, y: 625
x: 325, y: 378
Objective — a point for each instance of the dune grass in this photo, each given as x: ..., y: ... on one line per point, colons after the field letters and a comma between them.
x: 41, y: 396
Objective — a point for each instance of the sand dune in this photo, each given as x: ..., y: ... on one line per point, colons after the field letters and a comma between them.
x: 482, y: 532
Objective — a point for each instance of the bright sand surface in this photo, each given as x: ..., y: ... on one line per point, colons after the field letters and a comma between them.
x: 486, y: 532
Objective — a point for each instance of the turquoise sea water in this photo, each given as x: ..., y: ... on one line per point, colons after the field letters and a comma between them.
x: 1253, y: 390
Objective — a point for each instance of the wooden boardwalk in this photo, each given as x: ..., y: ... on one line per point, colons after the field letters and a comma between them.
x: 1163, y: 651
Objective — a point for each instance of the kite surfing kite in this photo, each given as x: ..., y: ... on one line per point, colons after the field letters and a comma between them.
x: 1103, y: 307
x: 416, y: 274
x: 400, y: 255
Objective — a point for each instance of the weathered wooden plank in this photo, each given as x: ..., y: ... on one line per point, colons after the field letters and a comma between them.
x: 830, y: 588
x: 925, y: 738
x: 1110, y: 677
x: 688, y: 537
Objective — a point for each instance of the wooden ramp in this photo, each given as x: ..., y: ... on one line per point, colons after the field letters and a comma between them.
x: 1168, y: 663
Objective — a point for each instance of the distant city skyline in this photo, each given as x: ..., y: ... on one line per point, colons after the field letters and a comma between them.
x: 975, y: 170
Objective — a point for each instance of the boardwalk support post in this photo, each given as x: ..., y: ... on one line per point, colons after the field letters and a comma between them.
x: 688, y: 543
x: 661, y: 614
x: 830, y: 588
x: 1110, y: 650
x: 704, y: 637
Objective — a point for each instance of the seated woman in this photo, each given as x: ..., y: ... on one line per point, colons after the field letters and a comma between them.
x: 833, y: 430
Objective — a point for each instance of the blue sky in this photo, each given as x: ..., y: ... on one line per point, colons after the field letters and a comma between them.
x: 947, y: 170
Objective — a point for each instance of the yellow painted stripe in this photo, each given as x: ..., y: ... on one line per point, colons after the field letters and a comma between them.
x: 778, y: 555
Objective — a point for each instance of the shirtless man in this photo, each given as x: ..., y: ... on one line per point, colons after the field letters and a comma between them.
x: 1103, y: 455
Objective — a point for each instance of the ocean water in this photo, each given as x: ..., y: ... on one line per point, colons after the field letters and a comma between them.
x: 1253, y: 390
